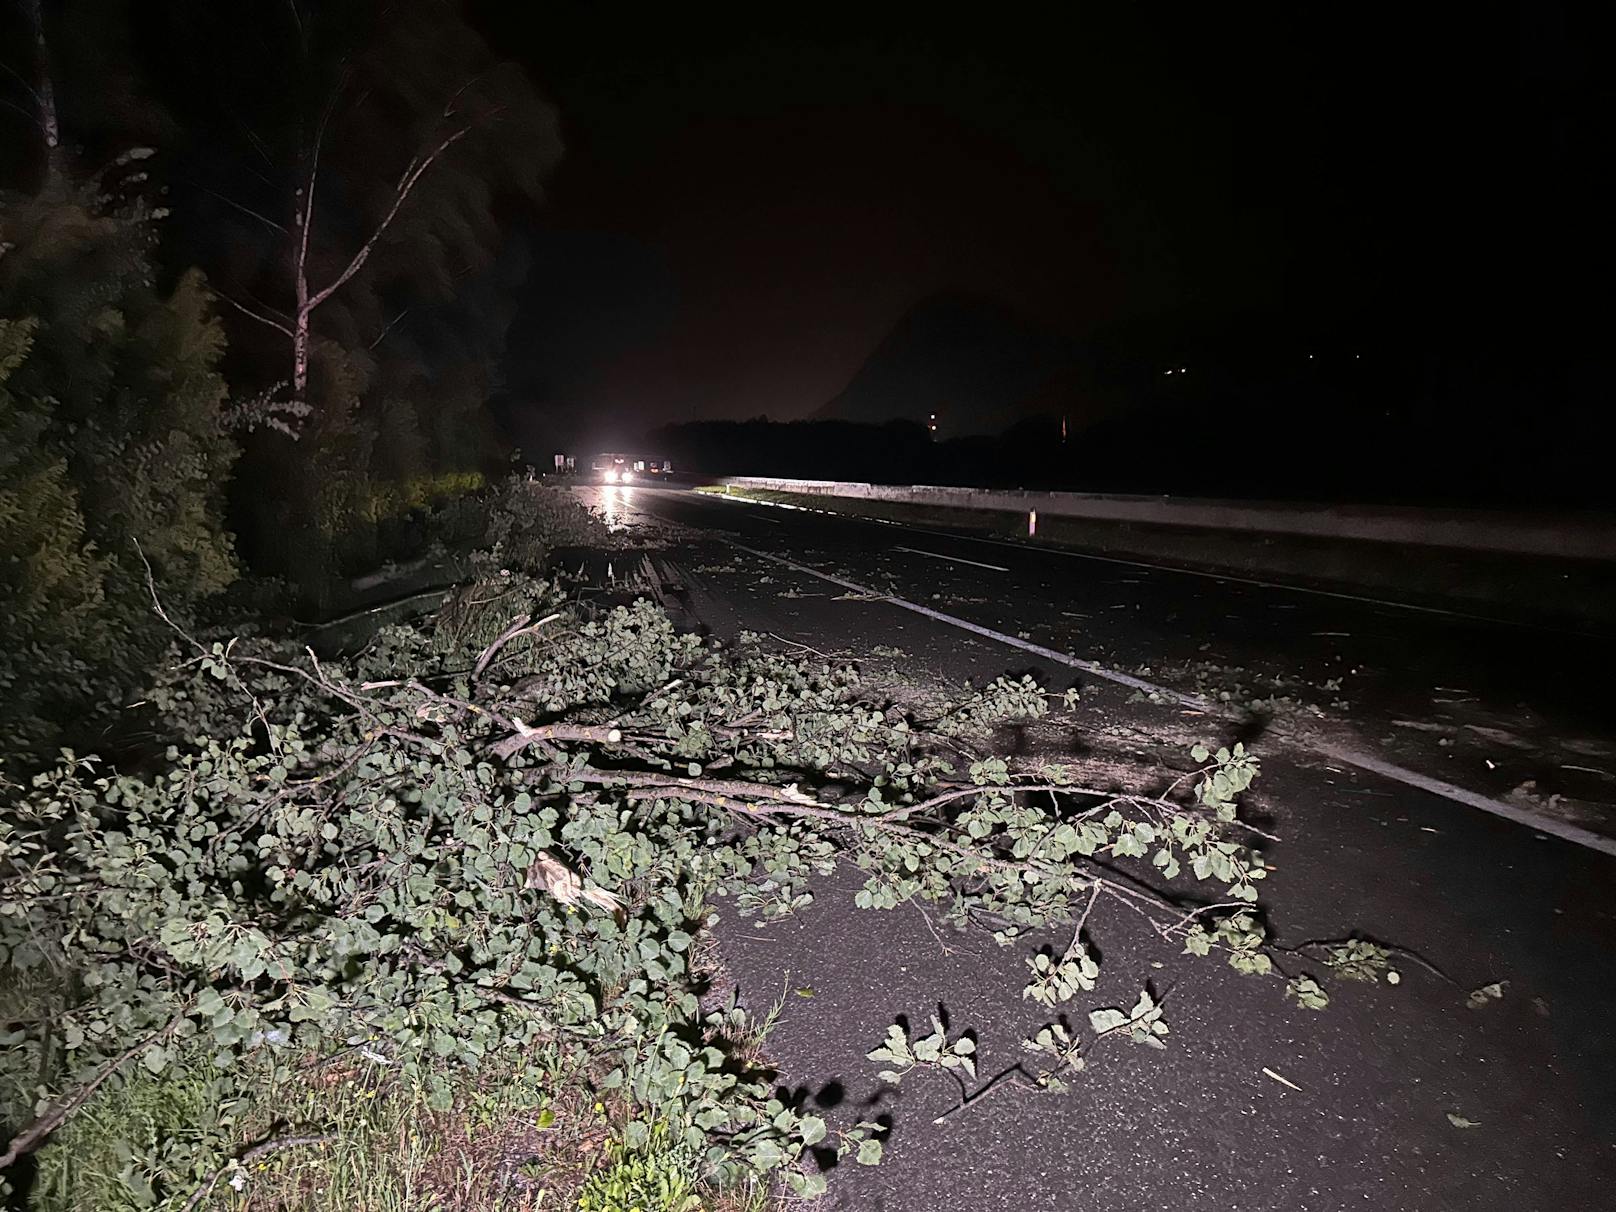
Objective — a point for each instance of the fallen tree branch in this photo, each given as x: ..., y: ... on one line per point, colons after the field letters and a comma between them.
x: 521, y: 625
x: 747, y: 799
x: 35, y: 1133
x: 598, y: 734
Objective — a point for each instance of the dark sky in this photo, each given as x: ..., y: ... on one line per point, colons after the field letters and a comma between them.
x: 747, y: 207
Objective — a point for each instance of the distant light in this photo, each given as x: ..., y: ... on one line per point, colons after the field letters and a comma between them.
x: 1032, y: 517
x: 1182, y: 371
x: 1169, y: 372
x: 1310, y: 357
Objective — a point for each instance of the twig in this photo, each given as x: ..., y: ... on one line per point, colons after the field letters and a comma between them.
x: 519, y: 626
x: 1004, y: 1077
x: 387, y: 328
x: 244, y: 209
x: 1077, y: 931
x: 936, y: 801
x: 261, y: 317
x: 157, y: 604
x: 1415, y: 956
x: 926, y: 917
x: 795, y: 644
x: 1173, y: 928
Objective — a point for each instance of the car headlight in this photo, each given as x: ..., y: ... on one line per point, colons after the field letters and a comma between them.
x: 611, y: 476
x: 627, y: 476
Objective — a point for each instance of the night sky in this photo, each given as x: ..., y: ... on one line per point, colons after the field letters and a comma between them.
x: 748, y: 207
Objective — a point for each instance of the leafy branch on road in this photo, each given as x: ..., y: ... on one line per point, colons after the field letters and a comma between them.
x: 444, y: 852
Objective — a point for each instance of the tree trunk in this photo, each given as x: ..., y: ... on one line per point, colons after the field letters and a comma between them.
x: 300, y: 340
x: 302, y: 312
x: 45, y: 91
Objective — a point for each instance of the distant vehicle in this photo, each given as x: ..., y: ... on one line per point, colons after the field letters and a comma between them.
x: 612, y: 468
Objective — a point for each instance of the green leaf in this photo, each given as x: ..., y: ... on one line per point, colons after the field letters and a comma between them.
x: 869, y: 1152
x: 1105, y: 1020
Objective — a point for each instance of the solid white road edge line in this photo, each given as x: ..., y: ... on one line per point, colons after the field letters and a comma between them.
x: 1352, y: 757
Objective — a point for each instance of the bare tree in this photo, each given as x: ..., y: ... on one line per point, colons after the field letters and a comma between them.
x: 308, y: 297
x: 355, y: 90
x: 282, y: 413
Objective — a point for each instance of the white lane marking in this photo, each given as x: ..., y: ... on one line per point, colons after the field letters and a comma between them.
x: 1341, y: 753
x: 741, y: 501
x: 1188, y: 572
x: 1216, y: 576
x: 937, y: 555
x: 1460, y: 795
x: 1063, y: 658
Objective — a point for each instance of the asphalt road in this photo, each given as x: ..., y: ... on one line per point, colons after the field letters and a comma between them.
x: 1206, y: 1124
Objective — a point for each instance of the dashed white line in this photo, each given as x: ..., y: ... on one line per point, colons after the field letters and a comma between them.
x: 1341, y: 753
x: 937, y: 555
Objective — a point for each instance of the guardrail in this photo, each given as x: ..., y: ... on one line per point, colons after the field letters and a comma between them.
x: 1562, y: 535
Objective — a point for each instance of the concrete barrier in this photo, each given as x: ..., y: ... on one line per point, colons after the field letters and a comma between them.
x: 1559, y: 535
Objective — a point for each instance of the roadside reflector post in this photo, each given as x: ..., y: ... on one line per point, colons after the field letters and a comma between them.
x: 1032, y: 522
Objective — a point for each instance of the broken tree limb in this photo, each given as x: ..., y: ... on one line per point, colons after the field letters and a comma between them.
x: 31, y: 1137
x: 598, y: 734
x: 521, y: 625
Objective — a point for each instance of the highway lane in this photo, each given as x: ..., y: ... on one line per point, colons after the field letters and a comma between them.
x: 1202, y: 1125
x: 1520, y: 715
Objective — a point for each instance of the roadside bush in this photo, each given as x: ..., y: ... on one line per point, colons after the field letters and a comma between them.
x: 439, y: 857
x: 527, y: 521
x: 111, y: 435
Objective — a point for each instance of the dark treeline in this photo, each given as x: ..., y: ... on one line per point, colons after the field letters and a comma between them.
x: 1330, y: 423
x: 257, y: 264
x: 349, y: 183
x: 842, y: 450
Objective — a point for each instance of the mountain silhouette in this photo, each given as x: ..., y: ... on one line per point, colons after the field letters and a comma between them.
x: 975, y: 363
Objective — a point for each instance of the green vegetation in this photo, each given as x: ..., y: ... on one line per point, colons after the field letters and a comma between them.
x: 655, y: 1178
x: 353, y: 895
x: 111, y: 435
x: 427, y: 927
